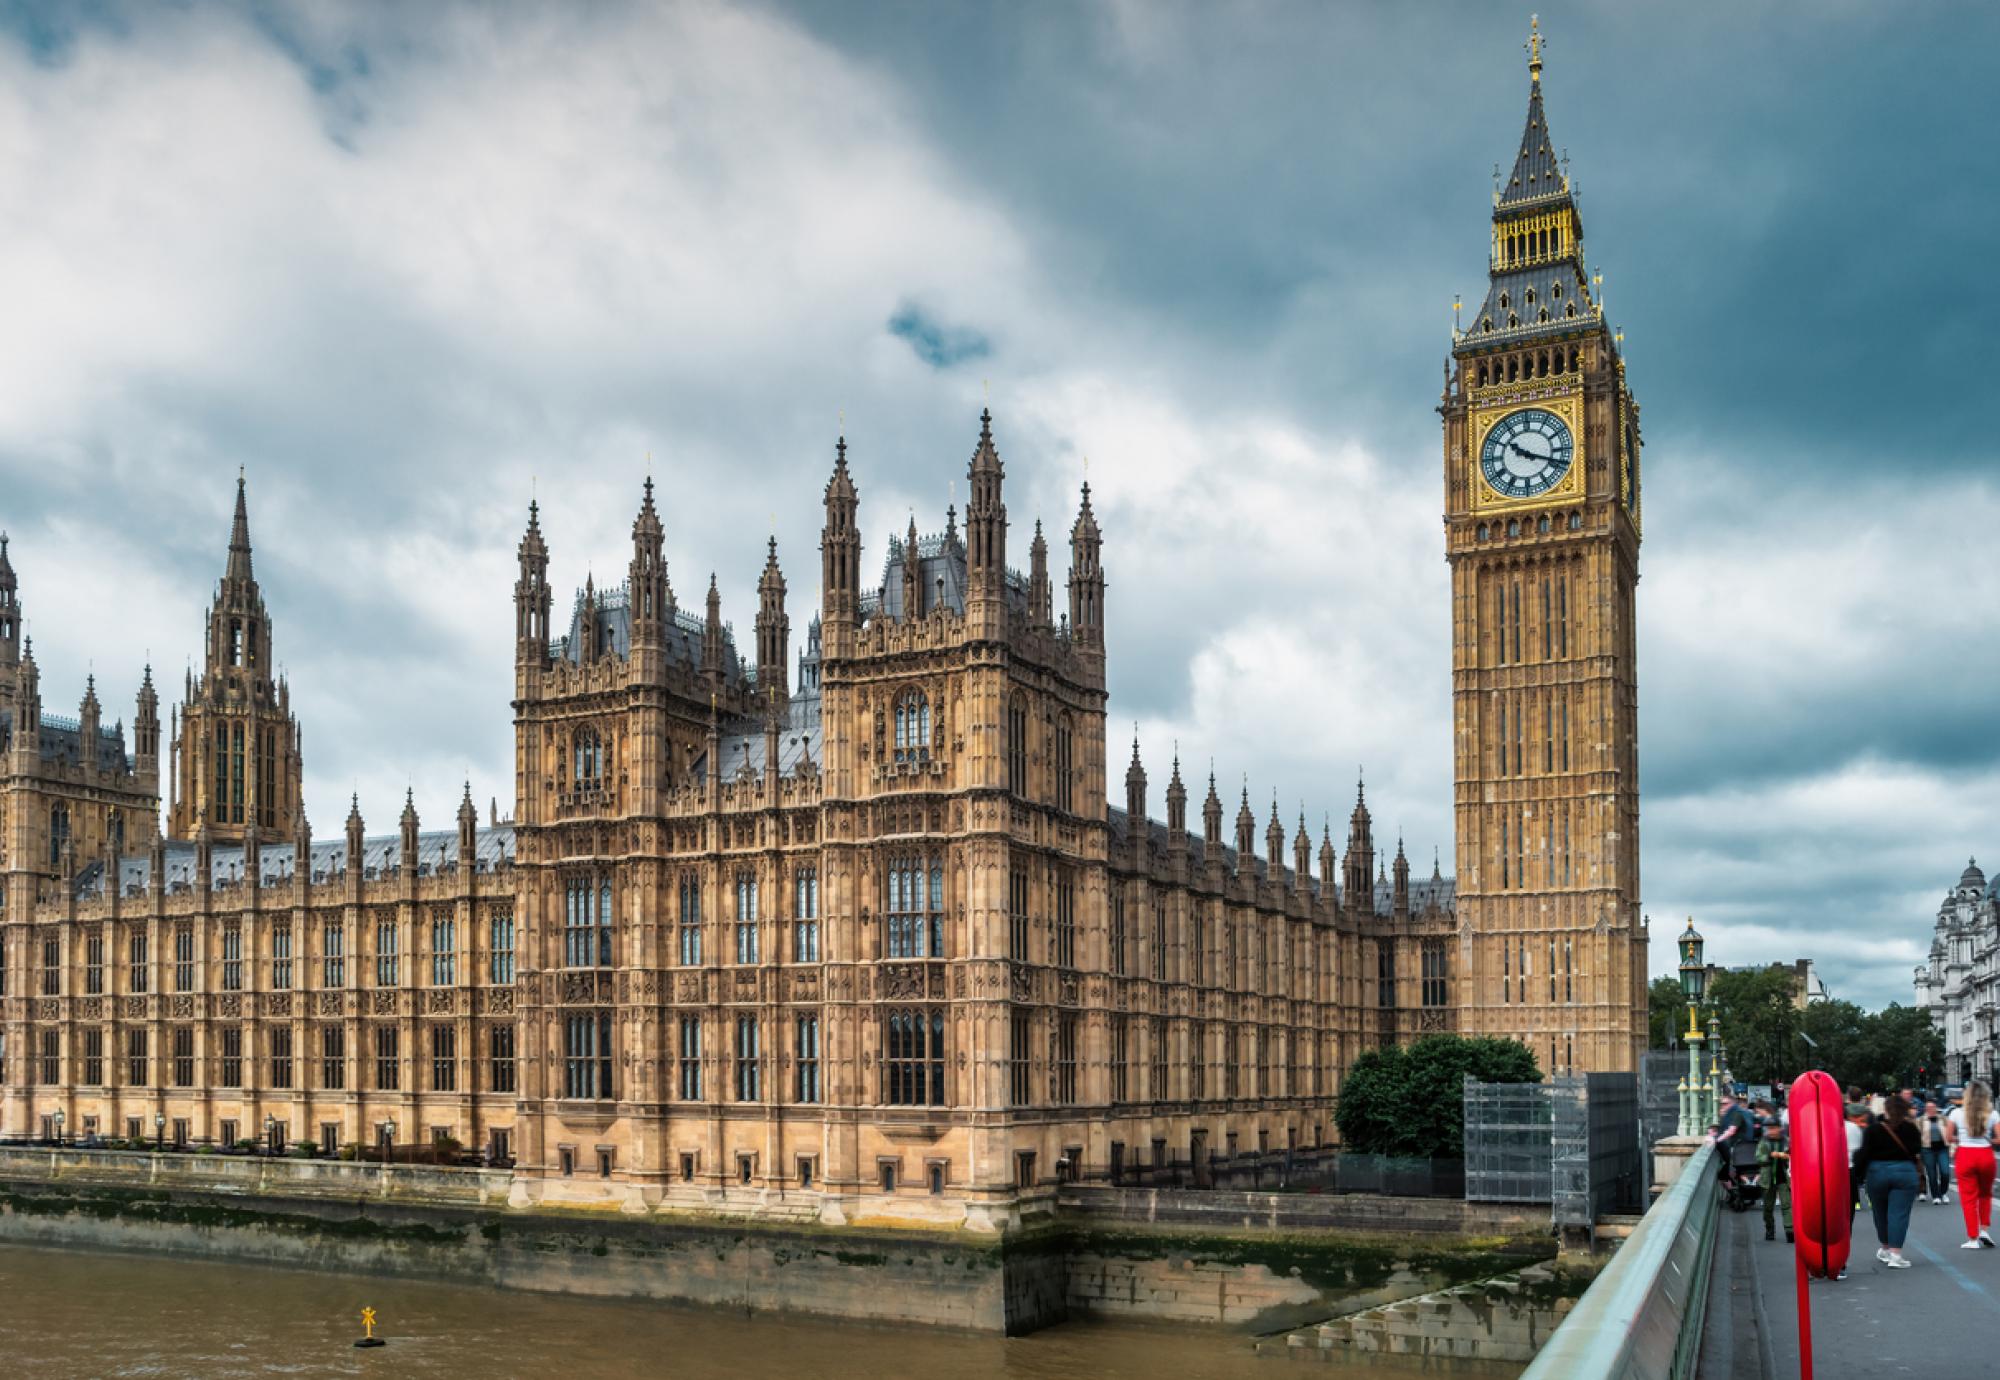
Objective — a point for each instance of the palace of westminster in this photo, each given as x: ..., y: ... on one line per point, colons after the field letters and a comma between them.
x: 858, y: 933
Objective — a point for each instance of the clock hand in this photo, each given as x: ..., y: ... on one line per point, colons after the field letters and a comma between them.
x: 1515, y: 446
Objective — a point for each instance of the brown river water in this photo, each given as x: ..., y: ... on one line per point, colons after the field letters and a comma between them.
x: 72, y: 1314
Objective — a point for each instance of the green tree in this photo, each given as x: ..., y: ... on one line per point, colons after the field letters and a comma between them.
x: 1759, y: 1023
x: 1905, y: 1040
x: 1667, y: 1012
x: 1411, y: 1101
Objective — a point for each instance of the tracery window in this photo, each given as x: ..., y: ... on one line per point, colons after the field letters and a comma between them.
x: 232, y: 958
x: 444, y: 1058
x: 913, y: 910
x: 1065, y: 1060
x: 1017, y: 913
x: 690, y: 920
x: 746, y: 917
x: 58, y: 834
x: 805, y: 915
x: 808, y: 1059
x: 1433, y: 972
x: 587, y: 1056
x: 913, y: 1060
x: 51, y: 967
x: 444, y: 952
x: 388, y: 1058
x: 749, y: 1065
x: 1065, y: 782
x: 281, y: 957
x: 387, y: 955
x: 1017, y: 746
x: 333, y: 954
x: 586, y: 759
x: 500, y: 962
x: 332, y: 1058
x: 93, y: 963
x: 913, y: 727
x: 587, y: 922
x: 231, y: 1074
x: 500, y: 1057
x: 690, y: 1059
x: 1065, y: 920
x: 184, y: 957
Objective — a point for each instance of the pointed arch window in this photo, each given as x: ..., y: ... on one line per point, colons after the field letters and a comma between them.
x: 913, y: 909
x: 913, y: 727
x: 587, y: 922
x: 1017, y: 746
x: 587, y: 759
x: 1065, y: 765
x: 58, y: 834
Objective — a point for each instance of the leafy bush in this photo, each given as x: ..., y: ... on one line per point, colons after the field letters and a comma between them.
x: 1410, y: 1100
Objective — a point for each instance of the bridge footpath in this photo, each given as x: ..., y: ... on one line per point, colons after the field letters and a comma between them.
x: 1936, y: 1318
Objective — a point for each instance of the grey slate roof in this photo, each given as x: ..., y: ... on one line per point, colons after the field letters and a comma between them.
x: 493, y: 848
x: 684, y: 633
x: 62, y: 741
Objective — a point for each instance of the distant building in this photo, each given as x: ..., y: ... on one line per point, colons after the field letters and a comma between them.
x: 1960, y: 984
x: 1807, y: 988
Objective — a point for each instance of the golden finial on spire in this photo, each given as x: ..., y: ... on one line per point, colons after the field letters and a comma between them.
x: 1534, y: 47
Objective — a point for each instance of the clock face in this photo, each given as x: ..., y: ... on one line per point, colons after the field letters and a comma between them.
x: 1526, y: 453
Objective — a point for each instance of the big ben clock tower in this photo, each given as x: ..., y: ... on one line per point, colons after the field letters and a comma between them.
x: 1542, y: 524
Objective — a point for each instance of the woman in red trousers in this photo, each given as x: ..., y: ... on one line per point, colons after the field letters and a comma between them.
x: 1972, y: 1128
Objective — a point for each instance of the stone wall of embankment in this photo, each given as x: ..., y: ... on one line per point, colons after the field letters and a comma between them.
x: 456, y: 1225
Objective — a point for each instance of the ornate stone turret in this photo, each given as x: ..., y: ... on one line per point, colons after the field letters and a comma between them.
x: 408, y: 857
x: 1176, y: 805
x: 531, y: 595
x: 1401, y: 881
x: 1327, y: 861
x: 10, y: 613
x: 1135, y: 788
x: 146, y: 734
x: 90, y: 714
x: 1246, y: 834
x: 1360, y: 864
x: 355, y: 836
x: 711, y: 636
x: 1211, y: 820
x: 1274, y: 842
x: 774, y: 634
x: 913, y: 574
x: 986, y: 537
x: 1039, y: 614
x: 651, y: 596
x: 1301, y: 853
x: 1086, y: 578
x: 468, y: 828
x: 237, y: 755
x: 840, y: 561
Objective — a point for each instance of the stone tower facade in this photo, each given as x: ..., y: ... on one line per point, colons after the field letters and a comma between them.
x: 237, y: 764
x: 1542, y: 528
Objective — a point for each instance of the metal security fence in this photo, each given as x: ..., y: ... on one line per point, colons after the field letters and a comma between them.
x: 1660, y: 1072
x: 1507, y: 1142
x: 1573, y: 1142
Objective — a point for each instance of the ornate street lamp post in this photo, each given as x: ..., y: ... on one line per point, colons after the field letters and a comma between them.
x: 1694, y: 977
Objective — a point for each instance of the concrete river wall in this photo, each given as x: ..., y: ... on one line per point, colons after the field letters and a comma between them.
x: 1255, y: 1262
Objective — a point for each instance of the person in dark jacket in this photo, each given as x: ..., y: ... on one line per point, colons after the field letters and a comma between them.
x: 1937, y: 1155
x: 1774, y: 1158
x: 1891, y: 1150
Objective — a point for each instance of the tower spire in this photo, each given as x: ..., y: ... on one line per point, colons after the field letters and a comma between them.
x: 239, y: 536
x: 1534, y: 47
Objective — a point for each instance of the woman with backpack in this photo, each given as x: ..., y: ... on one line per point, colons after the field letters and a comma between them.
x: 1971, y: 1130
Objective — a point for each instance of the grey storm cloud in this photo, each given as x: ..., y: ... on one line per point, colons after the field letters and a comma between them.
x: 937, y: 345
x: 409, y: 266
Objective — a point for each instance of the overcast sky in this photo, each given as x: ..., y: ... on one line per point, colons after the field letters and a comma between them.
x: 408, y: 265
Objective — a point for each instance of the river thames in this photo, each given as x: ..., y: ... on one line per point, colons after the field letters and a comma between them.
x: 73, y: 1314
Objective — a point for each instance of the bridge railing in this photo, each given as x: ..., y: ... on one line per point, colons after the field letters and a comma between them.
x: 1642, y: 1316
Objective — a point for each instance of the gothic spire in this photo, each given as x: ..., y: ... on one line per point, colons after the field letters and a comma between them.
x: 239, y: 537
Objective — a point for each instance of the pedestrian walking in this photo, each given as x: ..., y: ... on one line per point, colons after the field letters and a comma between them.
x: 1890, y: 1153
x: 1971, y: 1131
x: 1937, y: 1155
x: 1774, y: 1158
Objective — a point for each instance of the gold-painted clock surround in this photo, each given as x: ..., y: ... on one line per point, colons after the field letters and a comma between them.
x: 1568, y: 489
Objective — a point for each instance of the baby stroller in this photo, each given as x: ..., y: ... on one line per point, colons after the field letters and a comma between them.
x: 1740, y: 1189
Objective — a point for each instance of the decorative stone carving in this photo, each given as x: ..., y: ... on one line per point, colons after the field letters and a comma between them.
x: 182, y: 1008
x: 500, y: 1000
x: 1066, y: 989
x: 958, y: 982
x: 1022, y: 985
x: 901, y: 981
x: 329, y: 1003
x: 133, y: 1008
x: 48, y: 1008
x: 438, y: 1001
x: 277, y: 1003
x: 229, y: 1005
x: 90, y: 1009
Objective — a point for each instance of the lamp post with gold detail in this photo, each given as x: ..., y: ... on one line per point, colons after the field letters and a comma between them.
x: 1694, y: 978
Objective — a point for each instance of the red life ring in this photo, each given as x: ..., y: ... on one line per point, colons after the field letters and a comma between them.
x: 1822, y: 1196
